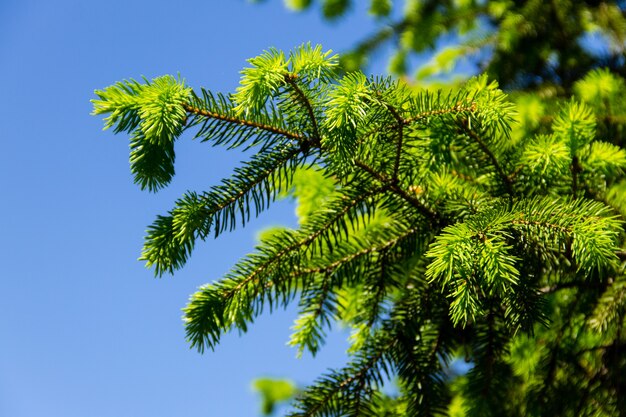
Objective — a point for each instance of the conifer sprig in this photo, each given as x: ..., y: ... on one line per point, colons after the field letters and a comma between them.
x: 348, y: 391
x: 251, y: 190
x: 266, y: 276
x: 251, y: 126
x: 432, y: 224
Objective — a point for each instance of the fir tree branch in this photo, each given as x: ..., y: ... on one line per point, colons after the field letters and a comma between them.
x: 458, y: 108
x: 260, y: 177
x: 494, y: 161
x: 318, y: 308
x: 549, y: 225
x: 596, y: 196
x: 241, y: 294
x: 554, y: 352
x: 396, y: 162
x: 301, y: 243
x: 240, y: 121
x: 419, y: 117
x: 389, y: 184
x: 290, y: 79
x: 346, y: 378
x: 416, y: 118
x: 383, y: 246
x: 576, y: 169
x: 401, y: 123
x: 396, y: 115
x: 379, y: 294
x: 374, y: 240
x: 171, y: 238
x: 419, y: 357
x: 353, y: 265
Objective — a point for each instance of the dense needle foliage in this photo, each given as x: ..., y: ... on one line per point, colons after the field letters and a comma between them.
x: 438, y: 225
x: 521, y: 43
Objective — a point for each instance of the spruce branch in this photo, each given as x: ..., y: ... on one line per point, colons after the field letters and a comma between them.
x: 242, y: 293
x: 436, y: 229
x: 551, y: 365
x: 171, y: 238
x: 329, y: 394
x: 401, y: 123
x: 420, y: 353
x: 348, y: 260
x: 303, y: 243
x: 290, y: 79
x: 267, y: 177
x: 378, y: 247
x: 576, y: 169
x: 458, y: 108
x: 319, y: 306
x: 506, y: 179
x: 375, y: 295
x: 389, y: 184
x: 242, y: 121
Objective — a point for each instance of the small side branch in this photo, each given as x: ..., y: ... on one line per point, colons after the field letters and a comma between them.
x: 456, y: 109
x: 552, y: 226
x: 290, y: 79
x: 508, y: 183
x: 401, y: 123
x: 360, y: 377
x: 396, y: 115
x: 420, y: 116
x: 288, y: 154
x: 576, y: 169
x: 230, y: 119
x: 296, y: 245
x: 363, y: 252
x: 391, y: 185
x: 551, y: 367
x: 396, y: 163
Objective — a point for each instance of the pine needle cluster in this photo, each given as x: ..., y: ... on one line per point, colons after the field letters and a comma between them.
x: 439, y: 226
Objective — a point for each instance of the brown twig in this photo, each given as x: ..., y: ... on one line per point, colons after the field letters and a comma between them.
x: 235, y: 120
x: 290, y: 79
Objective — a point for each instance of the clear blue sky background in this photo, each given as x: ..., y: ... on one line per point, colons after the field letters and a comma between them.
x: 85, y: 329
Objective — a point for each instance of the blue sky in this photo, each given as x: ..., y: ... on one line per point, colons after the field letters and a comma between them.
x: 85, y: 329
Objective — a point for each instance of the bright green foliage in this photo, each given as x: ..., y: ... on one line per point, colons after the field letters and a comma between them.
x: 154, y: 114
x: 522, y: 43
x: 262, y: 80
x: 298, y: 4
x: 437, y: 225
x: 273, y: 392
